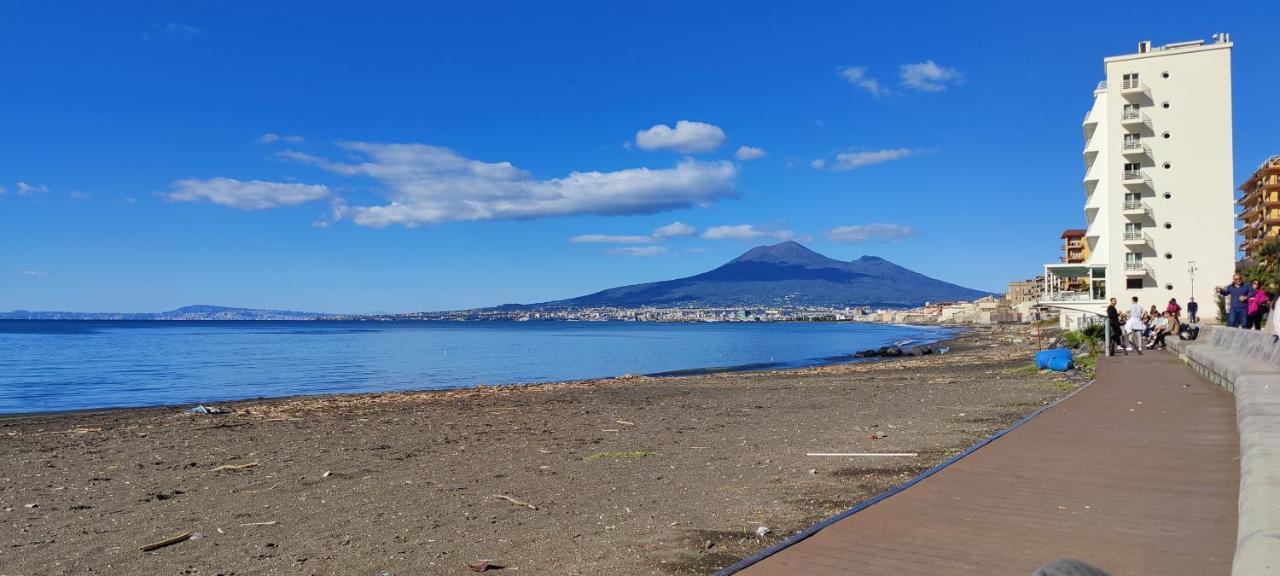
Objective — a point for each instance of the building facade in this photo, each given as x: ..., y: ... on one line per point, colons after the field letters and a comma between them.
x: 1159, y: 199
x: 1260, y: 206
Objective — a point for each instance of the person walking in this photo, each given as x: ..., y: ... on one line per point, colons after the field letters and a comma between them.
x: 1135, y: 326
x: 1237, y: 295
x: 1116, y: 328
x: 1193, y: 310
x: 1259, y: 305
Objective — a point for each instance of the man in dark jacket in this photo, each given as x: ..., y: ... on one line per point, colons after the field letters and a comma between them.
x: 1193, y: 310
x: 1114, y: 324
x: 1237, y: 295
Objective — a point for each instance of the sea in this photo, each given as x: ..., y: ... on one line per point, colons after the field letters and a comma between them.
x: 50, y: 366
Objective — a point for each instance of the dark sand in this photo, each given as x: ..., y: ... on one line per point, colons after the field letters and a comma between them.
x: 629, y: 476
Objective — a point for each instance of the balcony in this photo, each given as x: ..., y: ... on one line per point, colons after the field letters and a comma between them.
x: 1137, y: 239
x: 1137, y: 268
x: 1135, y: 178
x: 1135, y: 149
x: 1135, y: 209
x: 1134, y: 118
x: 1134, y: 90
x: 1089, y: 118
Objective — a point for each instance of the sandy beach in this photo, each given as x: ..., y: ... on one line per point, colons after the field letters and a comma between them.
x: 611, y: 477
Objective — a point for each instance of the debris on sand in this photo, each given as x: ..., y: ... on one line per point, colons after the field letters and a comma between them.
x: 183, y: 537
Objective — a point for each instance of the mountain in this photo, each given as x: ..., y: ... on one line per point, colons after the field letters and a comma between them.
x: 199, y: 312
x: 783, y: 274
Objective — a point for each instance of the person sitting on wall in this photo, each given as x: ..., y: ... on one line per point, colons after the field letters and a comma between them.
x: 1237, y: 295
x: 1193, y: 310
x: 1172, y: 326
x: 1174, y: 308
x: 1159, y: 329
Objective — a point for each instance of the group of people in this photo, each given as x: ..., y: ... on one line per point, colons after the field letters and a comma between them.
x: 1137, y: 328
x: 1248, y: 306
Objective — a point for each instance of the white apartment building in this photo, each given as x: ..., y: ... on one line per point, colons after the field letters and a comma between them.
x: 1158, y: 183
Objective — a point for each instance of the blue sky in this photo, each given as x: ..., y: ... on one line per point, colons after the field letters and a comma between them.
x: 353, y: 158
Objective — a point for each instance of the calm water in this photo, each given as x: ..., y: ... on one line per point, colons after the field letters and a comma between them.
x: 53, y: 365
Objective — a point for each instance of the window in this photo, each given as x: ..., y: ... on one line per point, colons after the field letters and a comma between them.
x: 1166, y: 135
x: 1132, y: 259
x: 1168, y: 195
x: 1164, y: 74
x: 1133, y: 284
x: 1132, y: 140
x: 1132, y: 112
x: 1165, y: 105
x: 1168, y: 225
x: 1130, y: 81
x: 1167, y: 165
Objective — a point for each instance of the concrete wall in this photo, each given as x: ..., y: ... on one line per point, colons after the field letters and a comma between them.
x: 1247, y: 363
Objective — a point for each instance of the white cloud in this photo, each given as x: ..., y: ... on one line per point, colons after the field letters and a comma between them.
x: 610, y: 239
x: 928, y: 76
x: 673, y: 230
x: 431, y: 184
x: 864, y: 232
x: 745, y: 232
x: 852, y: 160
x: 818, y: 164
x: 251, y: 195
x: 745, y: 153
x: 686, y: 137
x: 78, y: 195
x: 271, y: 138
x: 34, y: 273
x: 26, y: 189
x: 638, y: 251
x: 857, y: 75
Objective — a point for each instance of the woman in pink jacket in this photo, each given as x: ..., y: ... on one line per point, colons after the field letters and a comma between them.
x: 1259, y: 306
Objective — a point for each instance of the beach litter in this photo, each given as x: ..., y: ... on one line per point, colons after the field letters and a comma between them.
x: 515, y: 501
x: 202, y: 409
x: 183, y: 537
x: 484, y: 566
x: 762, y: 531
x: 234, y: 467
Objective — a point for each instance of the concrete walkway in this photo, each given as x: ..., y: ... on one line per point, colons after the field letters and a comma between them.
x: 1136, y: 474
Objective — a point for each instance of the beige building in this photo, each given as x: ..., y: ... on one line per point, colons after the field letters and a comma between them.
x: 1025, y: 291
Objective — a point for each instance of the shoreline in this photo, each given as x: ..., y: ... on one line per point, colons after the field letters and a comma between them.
x: 629, y: 476
x: 851, y: 358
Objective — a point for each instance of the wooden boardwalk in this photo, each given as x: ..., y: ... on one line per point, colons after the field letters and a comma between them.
x: 1136, y: 474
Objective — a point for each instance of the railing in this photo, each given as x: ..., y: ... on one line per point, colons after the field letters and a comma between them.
x: 1130, y: 236
x: 1138, y: 266
x: 1130, y: 84
x: 1132, y: 115
x: 1135, y: 147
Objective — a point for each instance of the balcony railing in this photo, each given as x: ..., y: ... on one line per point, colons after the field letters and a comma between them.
x: 1130, y: 237
x: 1138, y: 266
x: 1134, y: 178
x: 1135, y: 148
x: 1134, y: 116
